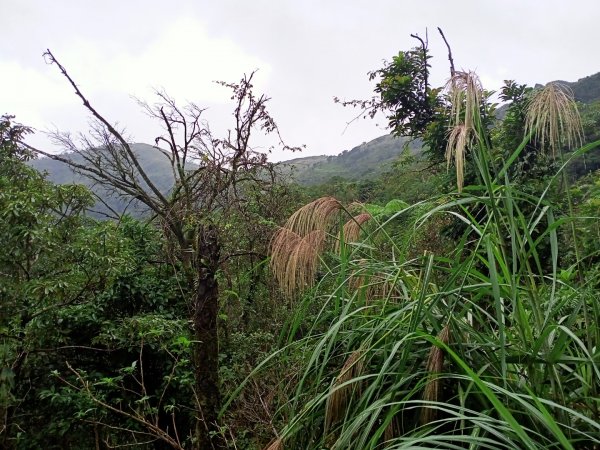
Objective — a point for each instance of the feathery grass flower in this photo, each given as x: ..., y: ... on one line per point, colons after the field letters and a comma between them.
x: 553, y: 118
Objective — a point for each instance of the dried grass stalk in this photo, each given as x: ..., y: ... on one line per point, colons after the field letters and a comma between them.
x: 360, y: 278
x: 275, y: 444
x: 371, y: 290
x: 352, y: 229
x: 380, y: 286
x: 283, y: 244
x: 435, y: 363
x: 459, y: 140
x: 304, y: 260
x: 375, y: 284
x: 553, y: 117
x: 296, y: 247
x: 465, y: 92
x: 340, y: 393
x: 295, y: 259
x: 316, y: 215
x: 383, y: 287
x: 392, y: 430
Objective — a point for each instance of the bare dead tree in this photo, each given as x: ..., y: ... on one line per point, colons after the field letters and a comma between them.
x: 209, y: 175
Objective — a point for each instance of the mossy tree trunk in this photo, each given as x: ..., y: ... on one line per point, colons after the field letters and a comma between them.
x: 206, y: 348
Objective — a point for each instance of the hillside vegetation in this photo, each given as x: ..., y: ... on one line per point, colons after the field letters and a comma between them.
x: 365, y: 161
x: 587, y: 89
x: 437, y: 290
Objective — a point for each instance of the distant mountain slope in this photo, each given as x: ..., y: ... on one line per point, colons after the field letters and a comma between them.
x: 371, y: 158
x: 154, y: 163
x: 364, y: 161
x: 586, y: 90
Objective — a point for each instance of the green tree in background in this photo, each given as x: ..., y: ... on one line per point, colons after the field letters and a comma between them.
x: 411, y: 105
x: 43, y: 267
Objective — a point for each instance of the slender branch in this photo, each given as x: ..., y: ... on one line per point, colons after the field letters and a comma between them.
x: 115, y: 215
x: 156, y: 431
x: 425, y: 71
x: 102, y: 177
x: 452, y: 71
x: 110, y: 128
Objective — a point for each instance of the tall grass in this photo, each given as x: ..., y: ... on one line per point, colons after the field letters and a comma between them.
x: 482, y: 347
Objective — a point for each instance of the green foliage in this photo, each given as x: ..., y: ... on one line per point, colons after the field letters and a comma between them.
x: 511, y: 131
x: 94, y: 327
x: 404, y: 91
x: 122, y: 333
x: 413, y: 108
x: 363, y: 162
x: 88, y: 295
x: 590, y: 120
x: 456, y: 321
x: 586, y: 199
x: 489, y: 342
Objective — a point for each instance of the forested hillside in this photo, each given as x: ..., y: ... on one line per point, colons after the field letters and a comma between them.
x: 433, y: 290
x: 586, y: 90
x: 154, y: 163
x: 365, y: 161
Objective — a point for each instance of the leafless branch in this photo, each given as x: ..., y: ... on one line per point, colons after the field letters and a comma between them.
x: 424, y: 50
x: 449, y: 53
x: 112, y: 130
x: 84, y: 386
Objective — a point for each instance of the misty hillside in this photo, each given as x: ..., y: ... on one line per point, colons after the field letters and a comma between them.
x: 364, y: 161
x: 154, y: 163
x: 586, y: 90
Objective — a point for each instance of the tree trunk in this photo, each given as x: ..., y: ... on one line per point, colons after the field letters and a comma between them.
x: 206, y: 354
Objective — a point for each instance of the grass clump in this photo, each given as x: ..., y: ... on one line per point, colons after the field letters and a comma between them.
x: 487, y: 345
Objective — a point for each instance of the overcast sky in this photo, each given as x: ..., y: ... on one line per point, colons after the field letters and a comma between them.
x: 306, y: 52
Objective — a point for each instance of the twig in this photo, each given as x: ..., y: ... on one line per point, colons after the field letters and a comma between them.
x: 109, y: 127
x: 425, y: 71
x: 449, y: 53
x: 155, y: 431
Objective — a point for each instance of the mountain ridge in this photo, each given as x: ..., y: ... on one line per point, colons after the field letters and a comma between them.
x: 363, y: 161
